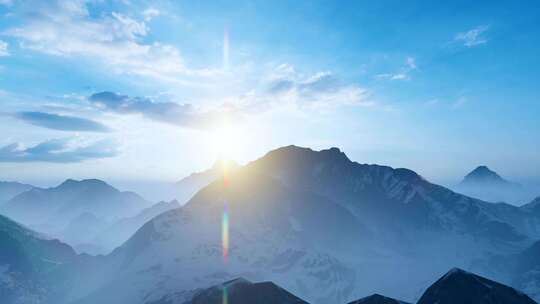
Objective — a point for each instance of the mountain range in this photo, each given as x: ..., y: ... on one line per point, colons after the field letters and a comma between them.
x: 8, y: 190
x: 306, y: 219
x: 327, y: 229
x: 74, y: 211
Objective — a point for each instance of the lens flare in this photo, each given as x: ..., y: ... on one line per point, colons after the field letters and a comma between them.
x: 225, y: 296
x: 225, y: 233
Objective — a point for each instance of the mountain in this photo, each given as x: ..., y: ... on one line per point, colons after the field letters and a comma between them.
x: 482, y: 174
x: 377, y: 299
x: 32, y: 269
x: 396, y: 201
x: 320, y: 225
x: 533, y: 206
x: 188, y: 186
x: 486, y: 184
x: 52, y: 210
x: 120, y: 231
x: 239, y: 291
x: 459, y: 286
x: 8, y: 190
x: 276, y: 233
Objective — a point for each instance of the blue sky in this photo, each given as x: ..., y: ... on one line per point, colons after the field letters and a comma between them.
x: 132, y: 90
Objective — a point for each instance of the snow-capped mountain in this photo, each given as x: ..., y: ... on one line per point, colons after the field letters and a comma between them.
x: 459, y: 286
x: 377, y: 299
x: 324, y: 227
x: 240, y: 291
x: 8, y: 190
x: 276, y: 233
x: 52, y: 210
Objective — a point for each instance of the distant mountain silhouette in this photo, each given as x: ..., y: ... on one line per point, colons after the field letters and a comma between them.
x: 482, y: 174
x: 459, y: 286
x: 120, y: 231
x: 8, y: 190
x: 377, y: 299
x: 486, y: 184
x: 52, y: 210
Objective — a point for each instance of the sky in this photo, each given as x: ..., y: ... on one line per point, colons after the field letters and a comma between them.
x: 155, y: 90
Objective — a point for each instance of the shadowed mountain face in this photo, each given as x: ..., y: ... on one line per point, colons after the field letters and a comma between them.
x: 377, y: 299
x: 459, y: 286
x: 32, y: 269
x: 8, y: 190
x: 239, y: 291
x: 53, y: 210
x: 533, y: 206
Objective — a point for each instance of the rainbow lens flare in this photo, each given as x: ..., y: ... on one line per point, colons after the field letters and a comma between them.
x: 225, y: 233
x: 225, y: 296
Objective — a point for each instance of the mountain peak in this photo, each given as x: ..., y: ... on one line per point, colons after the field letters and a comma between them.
x: 93, y: 183
x: 377, y: 299
x: 482, y: 174
x: 460, y: 286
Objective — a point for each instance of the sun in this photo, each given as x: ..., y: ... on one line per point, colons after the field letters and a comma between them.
x: 228, y: 141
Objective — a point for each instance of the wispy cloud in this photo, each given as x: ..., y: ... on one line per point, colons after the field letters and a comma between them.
x: 183, y: 115
x: 61, y: 122
x: 4, y: 48
x: 473, y: 37
x: 322, y: 89
x: 66, y: 28
x: 58, y: 151
x: 403, y: 73
x: 150, y: 13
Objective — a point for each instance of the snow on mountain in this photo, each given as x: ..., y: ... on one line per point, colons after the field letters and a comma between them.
x: 459, y: 286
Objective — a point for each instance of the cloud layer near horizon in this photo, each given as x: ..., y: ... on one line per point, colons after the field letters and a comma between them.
x: 58, y: 151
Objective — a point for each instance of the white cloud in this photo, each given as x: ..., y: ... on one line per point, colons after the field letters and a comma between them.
x: 318, y: 90
x: 473, y: 37
x: 150, y: 13
x: 65, y: 28
x: 411, y: 63
x: 403, y: 73
x: 4, y: 48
